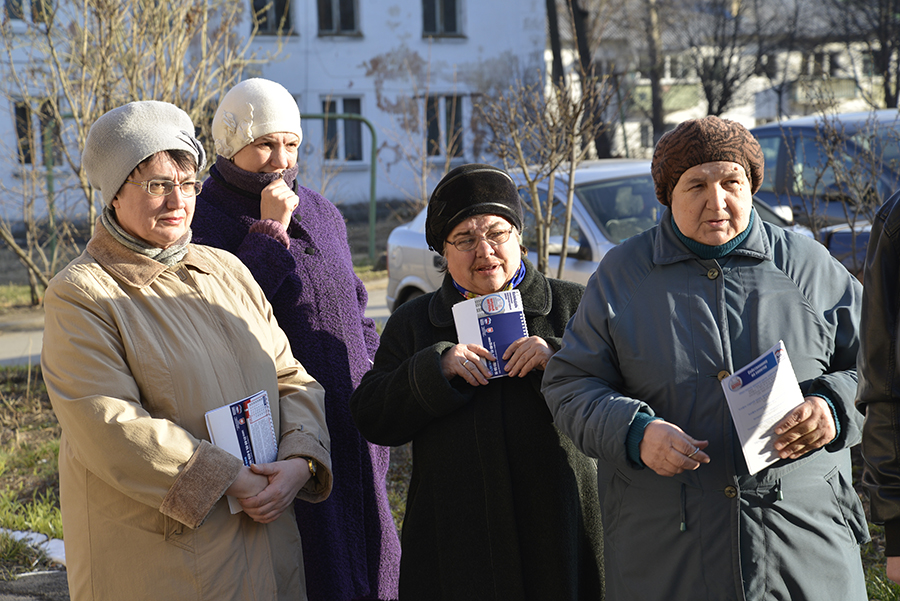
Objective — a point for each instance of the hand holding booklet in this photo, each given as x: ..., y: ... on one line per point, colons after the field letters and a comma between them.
x: 493, y: 321
x: 246, y: 430
x: 760, y: 396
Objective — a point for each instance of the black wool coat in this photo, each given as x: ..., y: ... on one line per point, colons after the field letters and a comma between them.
x: 501, y: 504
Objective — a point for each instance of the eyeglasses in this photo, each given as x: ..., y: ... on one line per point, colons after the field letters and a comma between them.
x: 164, y: 187
x: 495, y: 238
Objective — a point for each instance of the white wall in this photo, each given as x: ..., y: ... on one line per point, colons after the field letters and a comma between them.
x: 389, y: 64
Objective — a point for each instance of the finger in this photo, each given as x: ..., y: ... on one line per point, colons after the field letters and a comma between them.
x: 513, y: 347
x: 800, y: 414
x: 531, y: 364
x: 471, y: 373
x: 264, y: 469
x: 803, y: 445
x: 480, y: 371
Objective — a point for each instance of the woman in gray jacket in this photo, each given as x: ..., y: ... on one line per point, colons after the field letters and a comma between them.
x: 665, y: 318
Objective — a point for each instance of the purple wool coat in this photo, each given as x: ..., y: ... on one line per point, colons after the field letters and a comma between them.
x: 350, y: 544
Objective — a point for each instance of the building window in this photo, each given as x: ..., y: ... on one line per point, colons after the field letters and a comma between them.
x: 440, y: 17
x: 50, y: 149
x: 443, y: 115
x: 337, y: 17
x: 39, y: 11
x: 679, y: 66
x: 348, y: 131
x: 273, y: 17
x: 646, y: 135
x: 766, y: 66
x: 24, y: 134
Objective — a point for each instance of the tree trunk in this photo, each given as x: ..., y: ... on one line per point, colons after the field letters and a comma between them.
x: 654, y: 47
x: 556, y: 75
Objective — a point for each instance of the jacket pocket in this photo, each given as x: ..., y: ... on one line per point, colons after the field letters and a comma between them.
x: 178, y: 534
x: 847, y: 500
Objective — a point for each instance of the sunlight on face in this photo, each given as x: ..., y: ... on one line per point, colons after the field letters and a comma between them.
x: 157, y: 220
x: 272, y: 153
x: 711, y: 202
x: 486, y: 268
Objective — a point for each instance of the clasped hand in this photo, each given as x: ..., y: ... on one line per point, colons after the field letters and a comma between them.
x: 522, y: 356
x: 266, y: 490
x: 277, y: 202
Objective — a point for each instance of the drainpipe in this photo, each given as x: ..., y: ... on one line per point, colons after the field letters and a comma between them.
x: 373, y: 163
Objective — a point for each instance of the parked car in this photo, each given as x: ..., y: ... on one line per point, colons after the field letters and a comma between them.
x: 614, y: 199
x: 863, y: 172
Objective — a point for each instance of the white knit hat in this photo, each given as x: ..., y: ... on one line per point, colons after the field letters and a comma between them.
x: 254, y: 108
x: 120, y: 139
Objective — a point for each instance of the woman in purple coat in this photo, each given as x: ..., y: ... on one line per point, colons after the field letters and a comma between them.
x: 294, y: 241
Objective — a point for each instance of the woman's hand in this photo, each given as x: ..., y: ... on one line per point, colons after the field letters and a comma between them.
x: 247, y: 484
x: 525, y: 354
x: 668, y: 451
x: 285, y: 479
x: 278, y: 202
x: 463, y: 360
x: 807, y: 428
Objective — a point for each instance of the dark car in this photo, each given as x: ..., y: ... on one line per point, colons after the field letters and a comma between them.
x: 831, y: 170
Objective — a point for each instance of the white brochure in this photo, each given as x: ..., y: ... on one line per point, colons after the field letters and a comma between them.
x: 759, y: 396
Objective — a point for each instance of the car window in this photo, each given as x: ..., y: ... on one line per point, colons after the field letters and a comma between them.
x: 813, y: 174
x: 770, y: 146
x: 529, y: 236
x: 621, y: 208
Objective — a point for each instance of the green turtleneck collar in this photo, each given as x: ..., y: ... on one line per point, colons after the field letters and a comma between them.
x: 705, y: 251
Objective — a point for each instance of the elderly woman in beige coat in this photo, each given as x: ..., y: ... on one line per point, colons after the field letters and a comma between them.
x: 144, y: 334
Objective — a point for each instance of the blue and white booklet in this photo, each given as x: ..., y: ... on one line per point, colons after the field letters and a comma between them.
x: 493, y: 321
x: 246, y: 430
x: 760, y: 395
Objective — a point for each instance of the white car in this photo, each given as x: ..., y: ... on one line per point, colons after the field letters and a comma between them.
x: 614, y: 200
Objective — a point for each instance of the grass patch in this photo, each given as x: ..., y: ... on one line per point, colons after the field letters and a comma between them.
x: 398, y: 475
x: 366, y: 272
x: 39, y: 514
x: 14, y: 295
x: 29, y: 454
x: 17, y: 557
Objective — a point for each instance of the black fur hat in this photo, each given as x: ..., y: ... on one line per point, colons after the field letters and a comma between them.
x: 466, y: 191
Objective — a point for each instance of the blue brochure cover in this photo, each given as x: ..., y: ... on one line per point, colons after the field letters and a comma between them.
x: 493, y: 321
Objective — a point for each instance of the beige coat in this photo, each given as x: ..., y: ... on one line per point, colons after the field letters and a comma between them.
x: 134, y: 354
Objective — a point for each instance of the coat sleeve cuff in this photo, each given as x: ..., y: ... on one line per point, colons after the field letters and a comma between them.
x: 834, y: 415
x: 205, y: 478
x: 636, y: 435
x: 273, y: 229
x: 299, y: 444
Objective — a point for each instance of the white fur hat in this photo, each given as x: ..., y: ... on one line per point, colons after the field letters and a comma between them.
x: 253, y: 108
x: 123, y: 137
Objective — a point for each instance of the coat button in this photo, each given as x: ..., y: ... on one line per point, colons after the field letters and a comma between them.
x: 730, y: 492
x: 712, y: 273
x: 722, y: 375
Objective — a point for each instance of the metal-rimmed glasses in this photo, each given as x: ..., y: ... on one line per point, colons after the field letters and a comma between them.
x: 470, y: 243
x: 164, y: 187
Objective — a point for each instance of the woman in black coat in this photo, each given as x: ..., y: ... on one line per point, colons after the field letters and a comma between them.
x: 501, y: 504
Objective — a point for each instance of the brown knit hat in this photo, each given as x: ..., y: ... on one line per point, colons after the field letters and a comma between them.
x: 705, y: 140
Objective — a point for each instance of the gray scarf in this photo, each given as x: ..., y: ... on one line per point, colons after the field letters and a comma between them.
x: 167, y: 256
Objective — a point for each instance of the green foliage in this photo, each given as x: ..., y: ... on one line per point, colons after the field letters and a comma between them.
x: 39, y: 514
x: 14, y: 295
x: 878, y: 586
x: 17, y: 557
